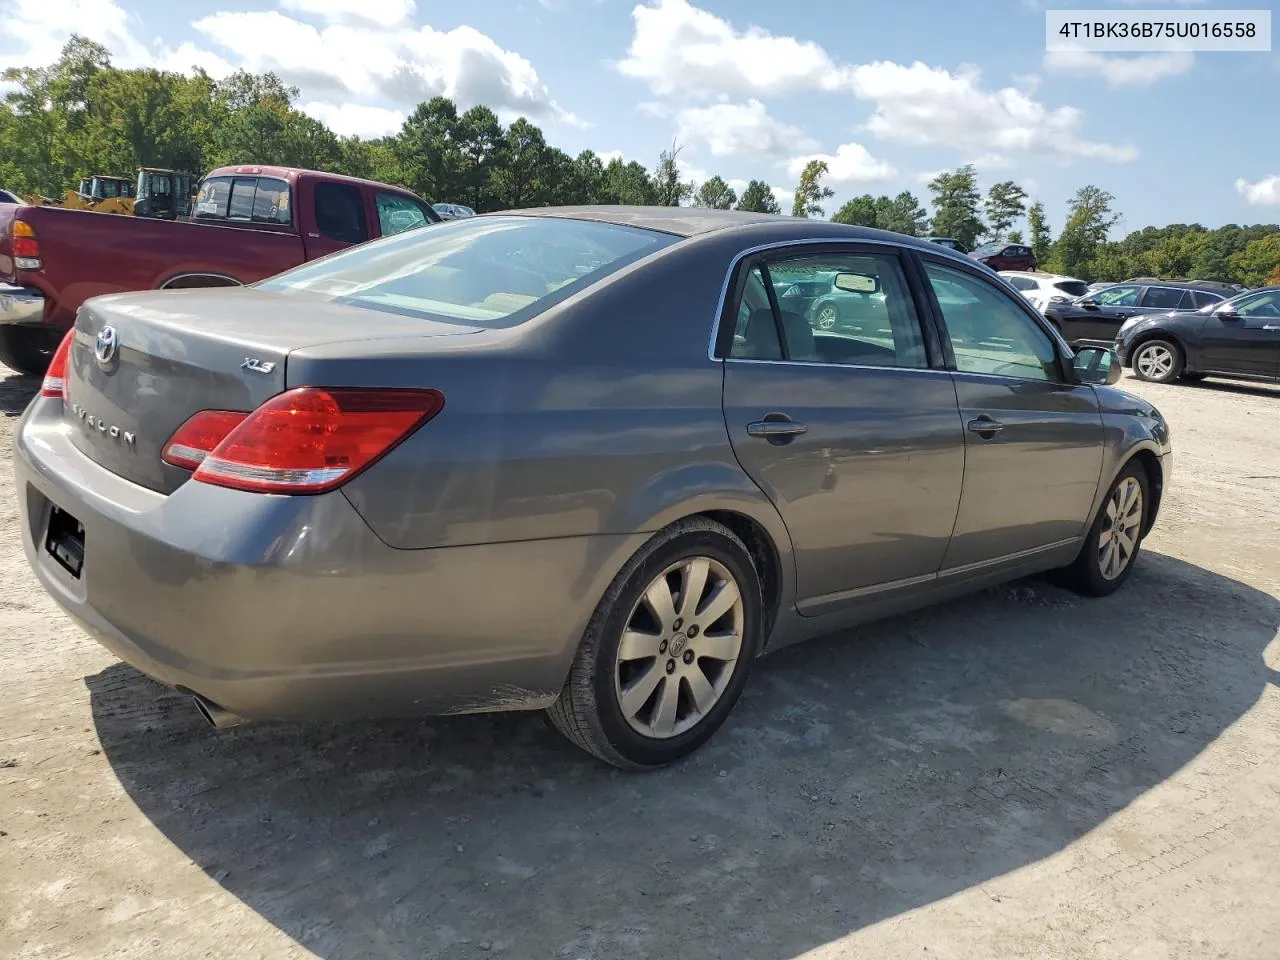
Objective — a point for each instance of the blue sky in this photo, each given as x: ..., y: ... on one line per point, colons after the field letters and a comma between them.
x: 890, y: 92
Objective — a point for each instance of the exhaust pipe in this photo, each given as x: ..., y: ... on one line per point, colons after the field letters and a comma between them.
x: 217, y: 717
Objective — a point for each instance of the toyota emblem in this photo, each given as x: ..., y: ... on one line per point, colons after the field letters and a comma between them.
x: 104, y: 348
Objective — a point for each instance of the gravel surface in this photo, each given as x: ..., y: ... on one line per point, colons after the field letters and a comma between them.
x: 1022, y: 773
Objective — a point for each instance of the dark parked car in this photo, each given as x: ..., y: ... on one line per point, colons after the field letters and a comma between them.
x: 1237, y: 338
x: 1096, y: 317
x: 574, y: 459
x: 7, y: 196
x: 1005, y: 256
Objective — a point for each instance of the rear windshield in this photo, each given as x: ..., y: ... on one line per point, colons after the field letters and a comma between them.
x: 478, y: 269
x: 249, y: 199
x: 1073, y: 288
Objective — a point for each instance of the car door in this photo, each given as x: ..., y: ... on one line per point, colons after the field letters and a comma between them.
x: 340, y: 218
x: 1243, y: 337
x: 1033, y: 438
x: 854, y: 437
x: 1105, y: 311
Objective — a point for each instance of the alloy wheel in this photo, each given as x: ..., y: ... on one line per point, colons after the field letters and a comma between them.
x: 1118, y: 540
x: 1155, y: 361
x: 827, y: 317
x: 679, y: 647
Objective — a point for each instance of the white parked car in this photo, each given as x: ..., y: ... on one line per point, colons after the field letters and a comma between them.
x: 1044, y: 288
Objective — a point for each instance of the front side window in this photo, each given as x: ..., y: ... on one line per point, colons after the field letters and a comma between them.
x: 989, y: 333
x: 397, y: 213
x: 1263, y: 305
x: 476, y: 269
x: 1119, y: 296
x: 1204, y: 300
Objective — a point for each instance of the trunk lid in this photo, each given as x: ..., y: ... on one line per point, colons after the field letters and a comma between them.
x: 170, y: 354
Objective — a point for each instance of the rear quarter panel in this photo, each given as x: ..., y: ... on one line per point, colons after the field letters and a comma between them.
x: 88, y: 254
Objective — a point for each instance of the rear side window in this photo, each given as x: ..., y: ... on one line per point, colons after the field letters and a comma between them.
x: 1072, y: 288
x: 1163, y: 298
x: 252, y: 199
x: 1022, y: 283
x: 476, y: 269
x: 398, y: 213
x: 340, y: 213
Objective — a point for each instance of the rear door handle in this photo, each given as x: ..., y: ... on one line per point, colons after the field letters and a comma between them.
x: 776, y: 429
x: 985, y: 427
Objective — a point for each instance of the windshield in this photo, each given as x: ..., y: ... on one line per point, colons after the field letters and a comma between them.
x: 477, y: 269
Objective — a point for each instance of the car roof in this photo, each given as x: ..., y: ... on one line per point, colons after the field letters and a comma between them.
x: 1204, y: 286
x: 700, y: 221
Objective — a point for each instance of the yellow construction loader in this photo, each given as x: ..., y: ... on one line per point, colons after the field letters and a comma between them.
x: 157, y: 193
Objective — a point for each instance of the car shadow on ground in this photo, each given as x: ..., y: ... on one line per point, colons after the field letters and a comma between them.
x: 861, y: 776
x: 16, y: 392
x: 1240, y: 387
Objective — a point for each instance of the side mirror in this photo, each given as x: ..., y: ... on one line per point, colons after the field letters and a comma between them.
x: 1226, y: 313
x: 1088, y: 303
x: 1097, y: 365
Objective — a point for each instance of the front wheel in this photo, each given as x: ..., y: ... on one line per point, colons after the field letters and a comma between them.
x: 826, y: 316
x: 1158, y: 361
x: 667, y: 652
x: 1111, y: 546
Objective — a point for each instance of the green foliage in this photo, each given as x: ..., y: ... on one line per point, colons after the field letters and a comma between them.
x: 715, y: 193
x: 1089, y: 218
x: 669, y: 189
x: 759, y: 198
x: 901, y: 214
x: 955, y: 205
x: 1259, y: 262
x: 1006, y: 204
x: 1038, y: 228
x: 810, y: 191
x: 1015, y: 236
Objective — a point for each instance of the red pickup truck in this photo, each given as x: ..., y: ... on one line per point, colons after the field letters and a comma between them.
x: 246, y: 223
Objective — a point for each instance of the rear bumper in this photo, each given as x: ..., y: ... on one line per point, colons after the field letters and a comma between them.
x: 20, y: 304
x: 290, y: 607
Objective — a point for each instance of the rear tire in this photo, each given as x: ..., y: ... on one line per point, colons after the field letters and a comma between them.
x: 1158, y: 361
x: 1111, y: 547
x: 645, y: 689
x: 28, y: 349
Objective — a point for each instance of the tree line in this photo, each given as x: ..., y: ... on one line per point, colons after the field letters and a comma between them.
x: 81, y: 116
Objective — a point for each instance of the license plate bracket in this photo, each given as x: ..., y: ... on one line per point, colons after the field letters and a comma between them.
x: 65, y: 541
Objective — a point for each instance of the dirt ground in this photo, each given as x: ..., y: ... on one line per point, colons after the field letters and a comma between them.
x: 1018, y: 774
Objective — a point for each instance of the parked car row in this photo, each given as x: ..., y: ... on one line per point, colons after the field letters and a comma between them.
x: 679, y: 471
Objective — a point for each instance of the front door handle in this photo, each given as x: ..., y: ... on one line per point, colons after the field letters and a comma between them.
x: 776, y: 428
x: 985, y: 427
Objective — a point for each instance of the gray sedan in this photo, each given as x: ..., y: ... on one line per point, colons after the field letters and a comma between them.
x: 577, y: 460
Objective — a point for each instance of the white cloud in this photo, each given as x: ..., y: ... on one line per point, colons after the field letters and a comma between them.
x: 740, y: 129
x: 851, y: 163
x: 931, y: 106
x: 685, y: 52
x: 1264, y: 191
x: 680, y: 49
x: 608, y: 155
x: 1140, y: 71
x: 382, y: 13
x: 354, y: 119
x: 39, y: 28
x: 188, y: 56
x: 403, y: 66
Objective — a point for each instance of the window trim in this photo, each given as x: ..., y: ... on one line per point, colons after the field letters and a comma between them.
x: 1021, y: 304
x: 720, y: 342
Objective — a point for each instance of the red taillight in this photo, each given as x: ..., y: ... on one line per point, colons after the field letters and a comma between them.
x: 198, y: 437
x: 55, y: 377
x: 26, y: 248
x: 313, y: 439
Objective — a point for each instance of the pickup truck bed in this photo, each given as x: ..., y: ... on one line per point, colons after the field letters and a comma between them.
x: 248, y: 223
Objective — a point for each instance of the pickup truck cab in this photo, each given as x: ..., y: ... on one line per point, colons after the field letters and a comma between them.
x: 246, y: 223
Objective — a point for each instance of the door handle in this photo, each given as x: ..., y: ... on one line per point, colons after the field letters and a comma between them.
x: 985, y: 427
x: 776, y: 428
